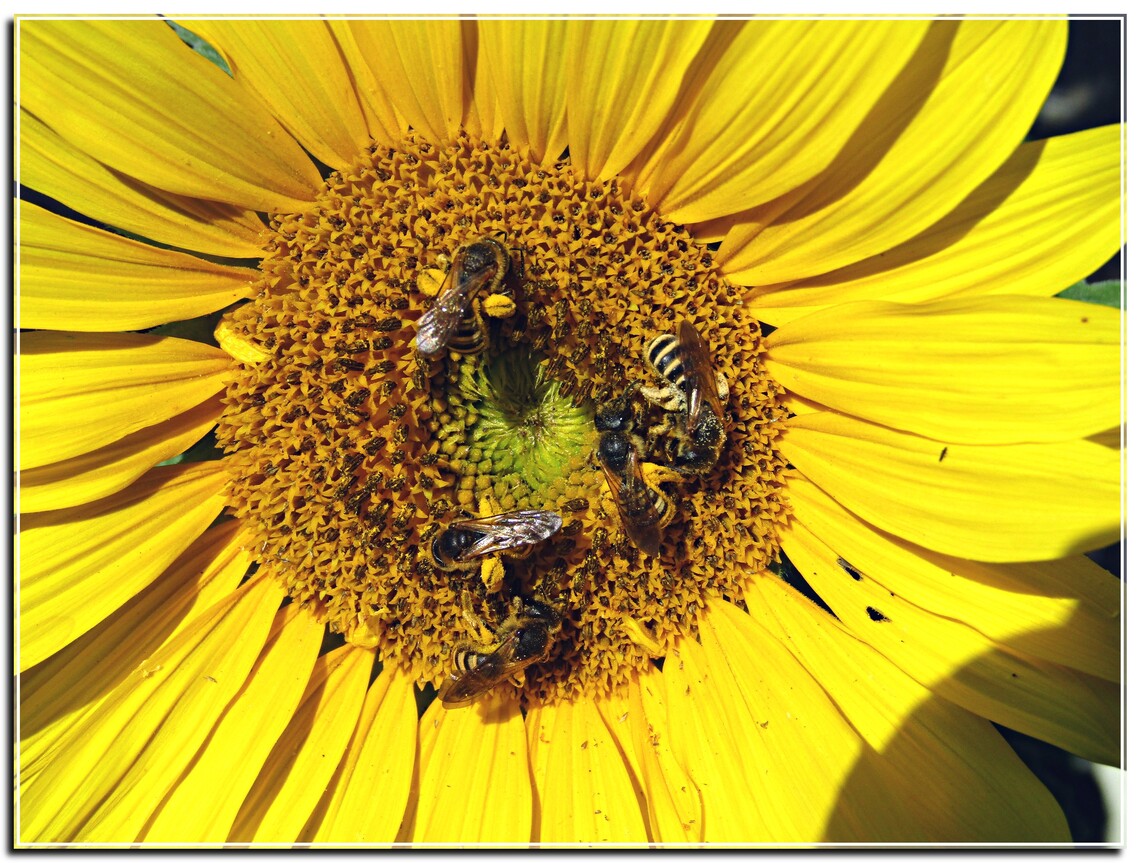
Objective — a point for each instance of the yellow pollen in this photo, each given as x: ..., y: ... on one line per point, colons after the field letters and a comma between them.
x: 350, y: 454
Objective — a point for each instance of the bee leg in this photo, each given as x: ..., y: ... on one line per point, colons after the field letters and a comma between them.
x: 492, y: 573
x: 475, y: 625
x: 499, y: 306
x: 655, y: 474
x: 661, y: 429
x: 429, y: 280
x: 722, y: 387
x: 668, y: 397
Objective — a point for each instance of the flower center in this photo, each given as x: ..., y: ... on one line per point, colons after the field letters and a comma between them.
x: 351, y: 453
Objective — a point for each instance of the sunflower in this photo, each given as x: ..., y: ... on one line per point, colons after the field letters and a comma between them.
x: 240, y: 459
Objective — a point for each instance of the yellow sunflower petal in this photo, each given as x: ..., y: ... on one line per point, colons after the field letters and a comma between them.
x: 62, y: 690
x: 766, y: 747
x: 482, y: 119
x: 1075, y: 711
x: 79, y: 391
x: 616, y: 708
x: 152, y: 722
x: 975, y: 370
x: 975, y: 788
x: 370, y: 790
x: 481, y: 747
x: 384, y: 124
x: 302, y: 762
x: 1044, y: 220
x: 203, y: 805
x: 1064, y: 611
x: 584, y: 791
x: 294, y: 66
x: 56, y: 168
x: 673, y: 801
x: 528, y: 60
x: 769, y: 106
x: 995, y: 503
x: 112, y: 468
x: 75, y: 277
x: 78, y: 565
x: 194, y: 131
x: 961, y: 107
x: 420, y: 65
x: 622, y: 80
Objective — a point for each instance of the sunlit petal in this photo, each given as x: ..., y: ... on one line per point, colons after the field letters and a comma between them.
x: 91, y: 79
x: 483, y: 746
x: 912, y: 738
x: 420, y: 66
x: 295, y: 774
x: 53, y: 166
x: 1064, y: 611
x: 369, y: 792
x: 584, y: 791
x: 112, y: 468
x: 1076, y: 711
x: 295, y: 68
x: 61, y: 691
x: 108, y: 386
x: 622, y: 79
x: 977, y: 370
x: 152, y: 722
x: 996, y: 503
x: 766, y: 107
x: 74, y: 277
x: 527, y: 60
x: 203, y: 805
x: 961, y: 107
x: 766, y: 748
x: 1043, y: 221
x: 78, y: 565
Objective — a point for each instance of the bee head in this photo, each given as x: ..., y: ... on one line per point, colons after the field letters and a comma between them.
x: 450, y: 544
x: 614, y: 416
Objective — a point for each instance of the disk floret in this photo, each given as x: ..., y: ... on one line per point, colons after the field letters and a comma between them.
x: 353, y: 444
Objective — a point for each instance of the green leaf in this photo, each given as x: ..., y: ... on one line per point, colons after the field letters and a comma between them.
x: 201, y: 46
x: 1107, y: 293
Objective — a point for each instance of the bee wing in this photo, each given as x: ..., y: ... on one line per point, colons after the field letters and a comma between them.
x: 437, y: 325
x: 464, y: 687
x: 702, y: 382
x: 509, y: 530
x: 630, y: 491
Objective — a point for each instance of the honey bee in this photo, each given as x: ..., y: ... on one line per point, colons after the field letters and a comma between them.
x: 524, y: 638
x: 465, y: 541
x: 642, y: 506
x: 455, y: 320
x: 693, y: 392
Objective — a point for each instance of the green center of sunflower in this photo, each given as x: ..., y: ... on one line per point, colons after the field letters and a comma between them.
x: 351, y: 453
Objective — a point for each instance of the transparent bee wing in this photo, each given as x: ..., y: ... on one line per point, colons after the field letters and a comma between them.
x: 510, y: 530
x: 701, y: 381
x: 501, y: 664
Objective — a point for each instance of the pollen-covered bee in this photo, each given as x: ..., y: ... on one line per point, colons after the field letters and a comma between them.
x: 693, y: 392
x: 490, y: 658
x: 455, y: 320
x: 465, y: 541
x: 642, y: 506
